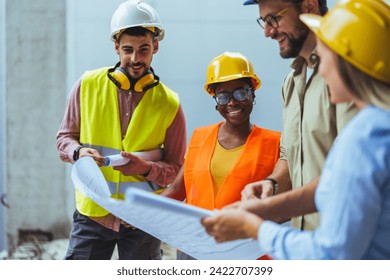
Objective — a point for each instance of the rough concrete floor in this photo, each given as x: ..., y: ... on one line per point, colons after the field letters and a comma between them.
x: 56, y: 249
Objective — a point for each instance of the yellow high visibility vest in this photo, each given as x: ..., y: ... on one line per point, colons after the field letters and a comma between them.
x: 100, y: 128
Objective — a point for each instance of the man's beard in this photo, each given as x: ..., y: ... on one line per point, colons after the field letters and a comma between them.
x: 134, y: 74
x: 295, y: 44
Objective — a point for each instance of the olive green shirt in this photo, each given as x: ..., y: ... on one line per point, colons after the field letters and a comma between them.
x: 310, y: 125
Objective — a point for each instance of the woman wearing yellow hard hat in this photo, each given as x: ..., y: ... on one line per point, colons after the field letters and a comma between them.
x: 353, y: 195
x: 223, y: 158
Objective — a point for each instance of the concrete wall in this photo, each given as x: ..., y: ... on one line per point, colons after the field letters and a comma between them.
x: 35, y: 86
x: 3, y: 209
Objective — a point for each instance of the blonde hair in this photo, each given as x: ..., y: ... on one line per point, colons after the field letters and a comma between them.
x: 366, y: 88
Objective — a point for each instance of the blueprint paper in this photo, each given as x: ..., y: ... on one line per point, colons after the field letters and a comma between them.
x: 89, y: 179
x: 171, y: 221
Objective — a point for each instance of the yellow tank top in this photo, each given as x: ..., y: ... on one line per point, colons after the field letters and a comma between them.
x: 221, y: 163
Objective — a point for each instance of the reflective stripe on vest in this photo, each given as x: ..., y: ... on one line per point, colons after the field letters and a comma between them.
x: 100, y: 128
x: 256, y: 162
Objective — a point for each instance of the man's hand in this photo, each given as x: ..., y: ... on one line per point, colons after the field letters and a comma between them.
x: 260, y: 189
x: 136, y: 166
x: 126, y: 225
x: 84, y: 152
x: 233, y: 205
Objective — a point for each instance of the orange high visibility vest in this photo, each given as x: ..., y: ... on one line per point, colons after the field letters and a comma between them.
x: 256, y: 162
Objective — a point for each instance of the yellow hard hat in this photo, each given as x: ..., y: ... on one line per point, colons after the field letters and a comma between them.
x: 358, y: 31
x: 229, y: 66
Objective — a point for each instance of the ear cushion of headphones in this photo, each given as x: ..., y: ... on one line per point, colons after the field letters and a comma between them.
x: 123, y: 80
x: 120, y: 75
x: 144, y: 81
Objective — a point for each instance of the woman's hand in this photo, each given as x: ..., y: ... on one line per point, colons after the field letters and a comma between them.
x: 231, y: 224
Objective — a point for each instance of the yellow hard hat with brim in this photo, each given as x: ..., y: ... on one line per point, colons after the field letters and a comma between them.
x: 230, y: 66
x: 358, y: 31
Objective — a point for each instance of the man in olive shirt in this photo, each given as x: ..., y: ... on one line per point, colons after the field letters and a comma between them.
x: 310, y: 122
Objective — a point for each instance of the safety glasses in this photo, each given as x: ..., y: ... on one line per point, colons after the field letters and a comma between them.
x: 239, y: 94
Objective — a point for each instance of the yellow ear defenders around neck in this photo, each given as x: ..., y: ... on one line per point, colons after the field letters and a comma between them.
x: 119, y: 76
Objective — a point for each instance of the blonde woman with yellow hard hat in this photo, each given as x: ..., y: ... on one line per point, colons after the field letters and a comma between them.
x: 223, y: 158
x: 353, y: 195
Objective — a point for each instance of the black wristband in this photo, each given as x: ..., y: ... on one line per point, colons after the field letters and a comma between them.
x: 274, y: 184
x: 147, y: 173
x: 76, y: 153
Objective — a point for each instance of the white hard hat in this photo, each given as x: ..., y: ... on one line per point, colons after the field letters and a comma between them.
x: 133, y: 13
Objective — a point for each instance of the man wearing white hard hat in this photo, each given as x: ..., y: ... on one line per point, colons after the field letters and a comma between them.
x: 123, y: 111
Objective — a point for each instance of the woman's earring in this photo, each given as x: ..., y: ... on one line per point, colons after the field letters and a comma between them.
x: 216, y: 107
x: 254, y: 98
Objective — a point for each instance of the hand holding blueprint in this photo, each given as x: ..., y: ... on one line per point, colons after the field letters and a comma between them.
x: 171, y: 221
x: 118, y: 159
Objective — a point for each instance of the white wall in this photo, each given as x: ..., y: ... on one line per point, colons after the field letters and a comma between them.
x: 196, y: 32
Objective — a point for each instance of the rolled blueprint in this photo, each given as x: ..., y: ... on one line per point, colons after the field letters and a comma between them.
x: 117, y: 160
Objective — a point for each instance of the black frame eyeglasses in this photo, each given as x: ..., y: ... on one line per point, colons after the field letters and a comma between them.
x: 240, y: 94
x: 271, y: 20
